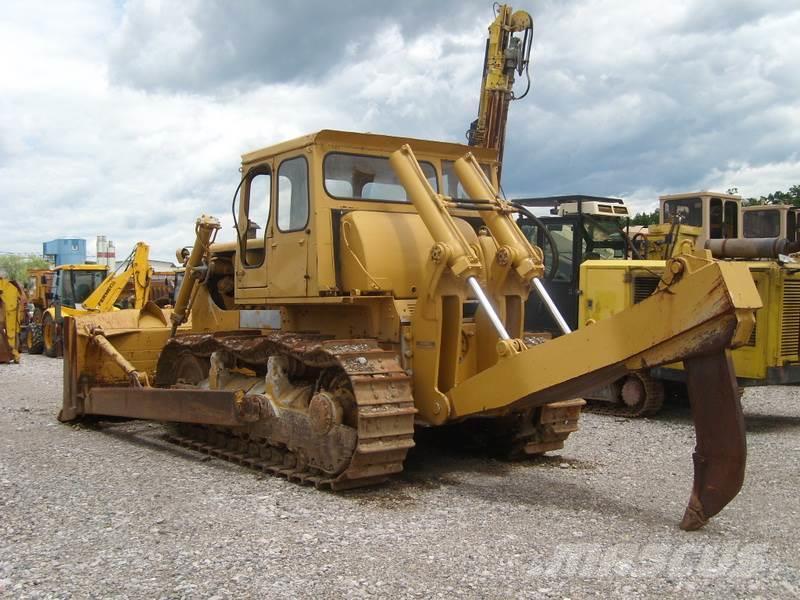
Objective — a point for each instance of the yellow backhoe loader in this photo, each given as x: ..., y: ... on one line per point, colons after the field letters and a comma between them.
x: 373, y: 303
x: 67, y: 285
x: 72, y: 298
x: 12, y: 303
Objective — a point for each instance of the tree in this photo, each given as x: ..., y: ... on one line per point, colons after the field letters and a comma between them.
x: 645, y: 219
x: 16, y: 266
x: 778, y: 197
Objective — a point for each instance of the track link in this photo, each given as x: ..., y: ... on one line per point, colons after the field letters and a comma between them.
x: 381, y: 391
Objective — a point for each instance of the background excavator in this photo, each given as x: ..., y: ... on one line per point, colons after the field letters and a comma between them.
x: 506, y: 53
x: 73, y: 295
x: 771, y: 221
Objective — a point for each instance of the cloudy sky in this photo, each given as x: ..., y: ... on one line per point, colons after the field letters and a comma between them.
x: 127, y: 118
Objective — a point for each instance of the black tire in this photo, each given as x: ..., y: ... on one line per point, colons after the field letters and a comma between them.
x: 34, y: 339
x: 49, y: 336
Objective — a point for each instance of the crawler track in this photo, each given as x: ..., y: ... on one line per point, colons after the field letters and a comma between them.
x: 650, y: 396
x: 365, y: 449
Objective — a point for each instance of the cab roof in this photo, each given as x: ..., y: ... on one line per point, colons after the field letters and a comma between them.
x: 81, y: 268
x: 769, y: 207
x: 686, y: 195
x: 352, y: 141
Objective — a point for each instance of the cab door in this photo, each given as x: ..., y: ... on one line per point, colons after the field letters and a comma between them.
x: 251, y: 227
x: 563, y: 284
x: 723, y: 219
x: 288, y: 237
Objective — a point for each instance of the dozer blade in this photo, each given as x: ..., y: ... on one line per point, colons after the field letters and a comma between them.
x: 138, y: 335
x: 711, y: 308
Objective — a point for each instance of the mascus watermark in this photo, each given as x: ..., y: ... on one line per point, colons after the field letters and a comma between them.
x: 679, y: 560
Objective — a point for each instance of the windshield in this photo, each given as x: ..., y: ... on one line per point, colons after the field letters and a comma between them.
x: 689, y: 210
x: 75, y: 286
x: 761, y: 223
x: 605, y: 238
x: 598, y: 238
x: 353, y: 176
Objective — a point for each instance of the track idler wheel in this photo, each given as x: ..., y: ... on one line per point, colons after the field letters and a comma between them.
x: 641, y: 395
x: 721, y: 450
x: 324, y: 411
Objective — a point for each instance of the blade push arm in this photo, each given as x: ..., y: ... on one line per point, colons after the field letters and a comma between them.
x: 205, y: 230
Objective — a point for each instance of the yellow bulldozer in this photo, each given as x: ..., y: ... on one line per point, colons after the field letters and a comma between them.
x: 372, y: 302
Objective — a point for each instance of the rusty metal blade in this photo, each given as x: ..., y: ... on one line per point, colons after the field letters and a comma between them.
x: 207, y: 407
x: 721, y: 450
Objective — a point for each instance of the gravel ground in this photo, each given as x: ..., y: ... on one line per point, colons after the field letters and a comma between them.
x: 115, y: 511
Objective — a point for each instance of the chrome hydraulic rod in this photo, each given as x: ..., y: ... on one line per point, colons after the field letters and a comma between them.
x: 487, y: 306
x: 551, y: 306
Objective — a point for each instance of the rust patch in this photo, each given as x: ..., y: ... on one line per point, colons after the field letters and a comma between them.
x: 721, y: 450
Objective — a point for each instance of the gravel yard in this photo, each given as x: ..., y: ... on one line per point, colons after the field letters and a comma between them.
x: 116, y: 511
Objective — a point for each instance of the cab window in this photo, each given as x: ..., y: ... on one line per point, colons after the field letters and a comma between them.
x: 353, y: 176
x: 761, y: 223
x: 257, y: 198
x: 723, y: 217
x: 293, y: 194
x: 689, y: 211
x: 451, y: 184
x: 731, y: 221
x: 563, y: 235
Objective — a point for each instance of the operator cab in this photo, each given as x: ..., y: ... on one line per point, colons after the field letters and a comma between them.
x: 581, y: 228
x: 294, y: 219
x: 717, y: 215
x: 75, y: 283
x: 770, y: 221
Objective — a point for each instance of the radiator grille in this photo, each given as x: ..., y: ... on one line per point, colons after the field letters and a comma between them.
x: 643, y: 286
x: 790, y: 323
x: 752, y: 340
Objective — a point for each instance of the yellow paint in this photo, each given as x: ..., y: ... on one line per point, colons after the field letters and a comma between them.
x: 396, y: 271
x: 608, y: 287
x: 12, y: 305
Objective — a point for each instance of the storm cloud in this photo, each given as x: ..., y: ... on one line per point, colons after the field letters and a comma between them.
x: 128, y: 119
x: 208, y: 46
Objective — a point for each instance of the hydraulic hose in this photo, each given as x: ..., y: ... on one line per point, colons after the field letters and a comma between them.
x: 550, y: 241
